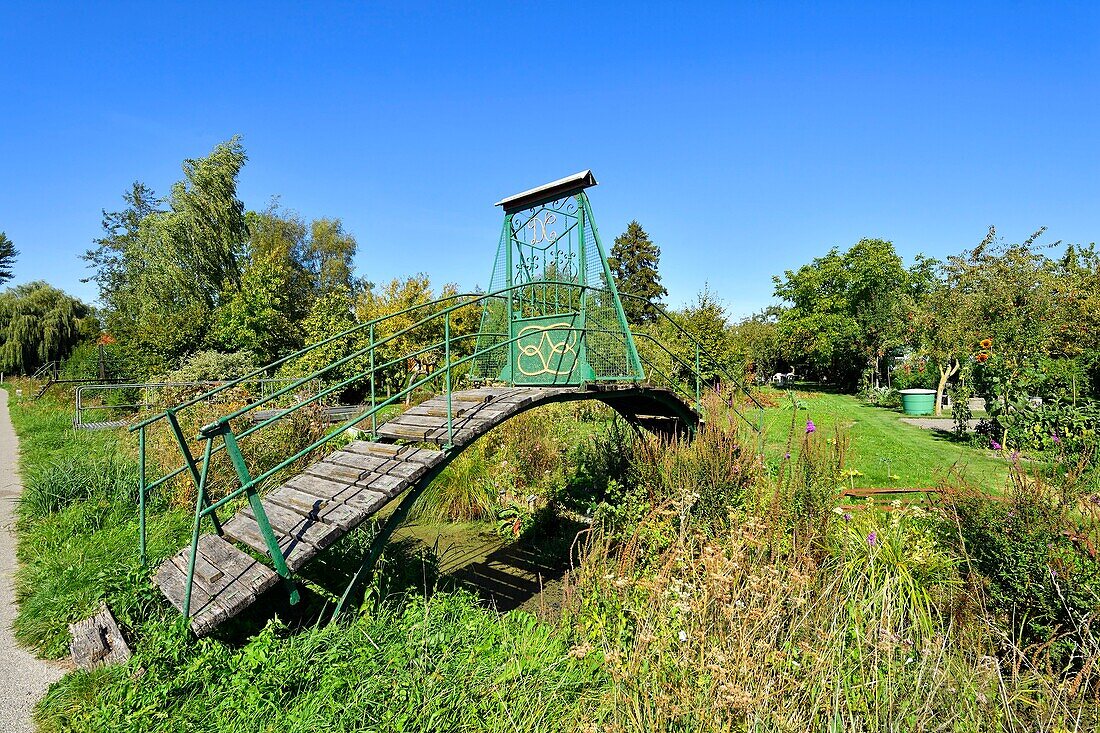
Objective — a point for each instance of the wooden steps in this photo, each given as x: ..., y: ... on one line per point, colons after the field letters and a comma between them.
x: 333, y: 496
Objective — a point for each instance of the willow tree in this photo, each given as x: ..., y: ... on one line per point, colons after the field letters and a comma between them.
x: 39, y: 324
x: 165, y: 265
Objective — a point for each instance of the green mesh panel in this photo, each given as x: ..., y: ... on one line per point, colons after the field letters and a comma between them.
x: 555, y: 249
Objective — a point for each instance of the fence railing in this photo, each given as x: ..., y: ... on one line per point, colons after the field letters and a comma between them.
x: 147, y: 400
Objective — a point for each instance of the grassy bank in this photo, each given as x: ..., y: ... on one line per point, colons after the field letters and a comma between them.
x: 78, y: 527
x: 716, y: 590
x: 886, y: 451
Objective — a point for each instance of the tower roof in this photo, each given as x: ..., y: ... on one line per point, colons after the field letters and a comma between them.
x: 548, y: 192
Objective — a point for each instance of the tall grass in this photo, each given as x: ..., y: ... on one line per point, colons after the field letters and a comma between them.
x: 794, y: 616
x: 78, y: 530
x: 441, y: 664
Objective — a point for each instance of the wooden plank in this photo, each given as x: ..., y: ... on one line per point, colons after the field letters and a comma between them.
x: 403, y: 432
x: 373, y: 464
x: 297, y: 548
x: 337, y: 472
x: 322, y: 488
x: 368, y: 501
x: 418, y: 421
x: 243, y: 580
x: 346, y: 516
x: 483, y: 394
x: 237, y: 566
x: 304, y: 528
x: 384, y: 484
x: 377, y: 449
x: 173, y: 584
x: 439, y: 409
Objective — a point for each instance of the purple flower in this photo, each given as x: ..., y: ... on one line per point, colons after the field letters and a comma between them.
x: 1055, y: 438
x: 872, y: 539
x: 810, y: 427
x: 1015, y: 455
x: 847, y: 516
x: 787, y: 455
x: 994, y: 445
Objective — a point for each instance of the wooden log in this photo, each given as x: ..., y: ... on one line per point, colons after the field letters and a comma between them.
x: 97, y: 641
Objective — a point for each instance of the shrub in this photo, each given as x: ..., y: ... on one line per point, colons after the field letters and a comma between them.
x: 1042, y: 576
x: 468, y: 488
x: 51, y: 487
x: 205, y: 366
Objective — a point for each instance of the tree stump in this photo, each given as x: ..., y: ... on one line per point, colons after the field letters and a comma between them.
x: 98, y: 641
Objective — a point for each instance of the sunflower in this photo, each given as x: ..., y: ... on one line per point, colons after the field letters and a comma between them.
x: 985, y: 343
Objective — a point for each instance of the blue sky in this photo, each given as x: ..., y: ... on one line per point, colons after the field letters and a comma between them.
x: 746, y: 138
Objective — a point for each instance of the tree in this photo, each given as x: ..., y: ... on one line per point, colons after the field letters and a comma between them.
x: 276, y: 289
x: 847, y: 310
x: 400, y: 295
x: 162, y: 273
x: 40, y: 323
x: 756, y: 343
x: 633, y: 262
x: 8, y: 253
x: 706, y: 321
x: 331, y: 251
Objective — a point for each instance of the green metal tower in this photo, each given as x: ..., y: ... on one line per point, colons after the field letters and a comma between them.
x: 554, y: 311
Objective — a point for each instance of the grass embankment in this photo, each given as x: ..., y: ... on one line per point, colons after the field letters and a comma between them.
x: 718, y: 592
x: 886, y: 451
x: 78, y: 525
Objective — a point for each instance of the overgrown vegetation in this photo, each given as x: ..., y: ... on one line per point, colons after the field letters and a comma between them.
x: 713, y: 591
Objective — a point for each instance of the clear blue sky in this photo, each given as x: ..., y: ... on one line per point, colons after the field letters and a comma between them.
x: 746, y: 138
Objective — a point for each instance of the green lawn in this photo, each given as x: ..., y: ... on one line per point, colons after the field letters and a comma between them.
x: 887, y: 451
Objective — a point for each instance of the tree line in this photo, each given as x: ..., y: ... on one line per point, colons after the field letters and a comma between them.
x: 194, y: 271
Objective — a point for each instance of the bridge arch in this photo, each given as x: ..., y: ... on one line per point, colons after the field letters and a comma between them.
x: 552, y: 329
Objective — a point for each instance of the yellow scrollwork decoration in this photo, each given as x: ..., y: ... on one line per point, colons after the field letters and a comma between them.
x: 546, y: 349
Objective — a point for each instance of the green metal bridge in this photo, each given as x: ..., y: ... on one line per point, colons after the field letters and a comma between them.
x: 551, y: 328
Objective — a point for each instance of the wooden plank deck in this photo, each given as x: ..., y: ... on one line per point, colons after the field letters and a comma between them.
x: 333, y: 496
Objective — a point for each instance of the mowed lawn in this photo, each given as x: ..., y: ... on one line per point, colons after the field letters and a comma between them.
x: 885, y: 450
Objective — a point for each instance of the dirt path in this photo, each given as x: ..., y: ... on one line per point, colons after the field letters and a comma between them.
x: 23, y: 677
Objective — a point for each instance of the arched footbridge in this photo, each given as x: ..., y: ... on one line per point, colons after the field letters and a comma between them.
x: 551, y: 329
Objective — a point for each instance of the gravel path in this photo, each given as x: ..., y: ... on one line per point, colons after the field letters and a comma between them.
x: 23, y: 677
x: 938, y: 423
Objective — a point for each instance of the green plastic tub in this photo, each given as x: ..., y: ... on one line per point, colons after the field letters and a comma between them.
x: 918, y: 401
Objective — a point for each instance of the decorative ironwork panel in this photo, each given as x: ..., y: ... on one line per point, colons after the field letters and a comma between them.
x: 551, y: 269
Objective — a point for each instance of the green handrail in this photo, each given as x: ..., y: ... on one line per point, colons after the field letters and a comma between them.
x: 249, y: 484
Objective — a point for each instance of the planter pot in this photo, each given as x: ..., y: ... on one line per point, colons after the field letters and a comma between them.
x: 918, y: 401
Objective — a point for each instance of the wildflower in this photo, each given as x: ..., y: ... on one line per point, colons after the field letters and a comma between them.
x: 810, y: 427
x: 872, y: 539
x: 994, y: 445
x: 985, y: 343
x: 982, y: 357
x: 1055, y: 438
x: 847, y: 516
x: 787, y: 454
x: 683, y: 636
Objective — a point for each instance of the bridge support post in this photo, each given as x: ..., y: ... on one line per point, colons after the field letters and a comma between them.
x: 200, y: 504
x: 174, y: 424
x: 257, y: 506
x: 373, y: 403
x: 141, y: 495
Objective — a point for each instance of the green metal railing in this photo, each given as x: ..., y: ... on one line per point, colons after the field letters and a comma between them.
x: 219, y: 435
